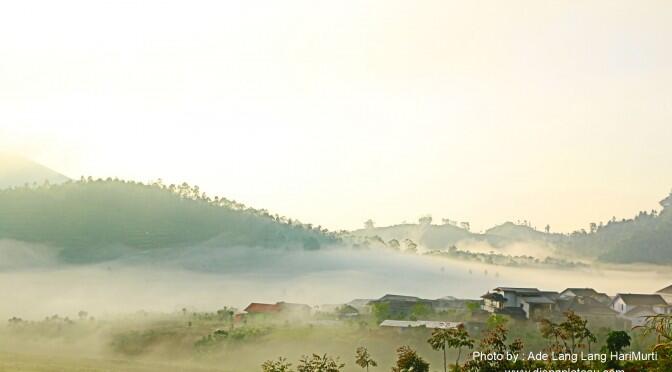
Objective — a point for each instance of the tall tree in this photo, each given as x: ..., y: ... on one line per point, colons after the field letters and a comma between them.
x: 363, y: 358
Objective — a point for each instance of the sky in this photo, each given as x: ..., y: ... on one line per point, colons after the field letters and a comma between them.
x: 336, y: 112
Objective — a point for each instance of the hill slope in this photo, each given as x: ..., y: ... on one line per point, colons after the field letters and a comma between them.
x: 98, y: 220
x: 18, y: 171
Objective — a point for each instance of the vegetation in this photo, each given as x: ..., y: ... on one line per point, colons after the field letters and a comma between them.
x: 494, y: 342
x: 645, y: 238
x: 317, y: 363
x: 94, y: 220
x: 363, y: 358
x: 451, y: 338
x: 409, y: 360
x: 215, y: 339
x: 279, y: 365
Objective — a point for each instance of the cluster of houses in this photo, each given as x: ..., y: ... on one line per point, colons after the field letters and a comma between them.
x: 624, y: 309
x: 532, y: 303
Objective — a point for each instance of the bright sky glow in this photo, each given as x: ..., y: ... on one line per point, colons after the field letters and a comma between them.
x: 335, y: 112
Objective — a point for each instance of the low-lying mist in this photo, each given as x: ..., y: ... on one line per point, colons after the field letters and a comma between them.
x: 206, y: 278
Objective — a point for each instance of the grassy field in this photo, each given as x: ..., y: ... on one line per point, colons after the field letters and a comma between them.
x: 212, y: 342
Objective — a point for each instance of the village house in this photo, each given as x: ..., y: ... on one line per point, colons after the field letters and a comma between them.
x: 635, y: 308
x: 590, y: 309
x: 522, y: 303
x: 586, y: 292
x: 401, y: 306
x: 279, y: 309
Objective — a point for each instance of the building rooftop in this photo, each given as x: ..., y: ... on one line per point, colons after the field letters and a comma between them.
x: 393, y: 297
x: 641, y: 299
x: 537, y: 300
x: 584, y: 305
x: 419, y: 323
x: 581, y: 291
x: 519, y: 290
x: 256, y: 307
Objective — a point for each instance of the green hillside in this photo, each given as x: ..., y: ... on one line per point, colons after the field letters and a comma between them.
x: 92, y: 220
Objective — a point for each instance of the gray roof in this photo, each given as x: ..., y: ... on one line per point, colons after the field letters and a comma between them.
x: 518, y: 290
x: 393, y: 297
x: 581, y: 291
x: 550, y: 294
x: 537, y: 300
x: 584, y: 305
x: 419, y: 323
x: 641, y: 299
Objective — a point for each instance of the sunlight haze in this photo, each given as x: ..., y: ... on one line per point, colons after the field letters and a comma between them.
x: 558, y: 113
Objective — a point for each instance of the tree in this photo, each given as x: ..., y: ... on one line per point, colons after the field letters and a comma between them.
x: 450, y: 338
x: 419, y: 311
x: 569, y: 336
x: 280, y: 365
x: 411, y: 247
x: 496, y: 320
x: 465, y: 225
x: 661, y: 326
x: 369, y: 224
x: 381, y: 311
x: 363, y: 358
x: 317, y: 363
x: 394, y: 244
x: 494, y: 342
x: 408, y: 360
x: 593, y: 227
x: 616, y: 342
x: 425, y: 220
x: 82, y: 315
x: 548, y: 229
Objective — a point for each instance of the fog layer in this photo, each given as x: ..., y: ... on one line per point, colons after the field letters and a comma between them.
x: 207, y: 278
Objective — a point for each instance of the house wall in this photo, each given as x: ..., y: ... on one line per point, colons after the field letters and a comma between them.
x: 526, y: 309
x: 662, y: 309
x: 620, y: 306
x: 511, y: 299
x: 491, y: 306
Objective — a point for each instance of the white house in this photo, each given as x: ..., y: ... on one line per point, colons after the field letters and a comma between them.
x: 624, y: 302
x: 519, y: 302
x: 636, y: 307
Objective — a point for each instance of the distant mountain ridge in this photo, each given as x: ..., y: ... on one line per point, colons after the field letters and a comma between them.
x: 94, y: 220
x: 18, y: 171
x: 646, y: 238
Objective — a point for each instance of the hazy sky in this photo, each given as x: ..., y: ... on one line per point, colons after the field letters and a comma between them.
x: 333, y: 112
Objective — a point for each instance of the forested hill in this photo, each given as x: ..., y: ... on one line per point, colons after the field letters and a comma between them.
x: 646, y: 238
x: 91, y: 220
